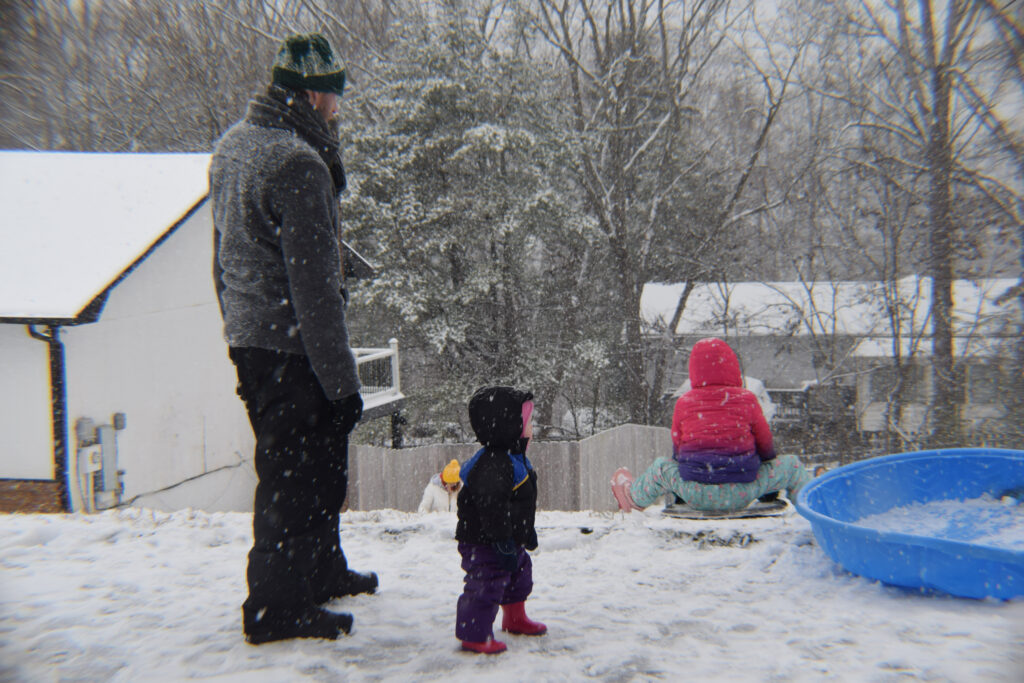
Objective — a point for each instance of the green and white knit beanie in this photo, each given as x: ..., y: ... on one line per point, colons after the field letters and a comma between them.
x: 306, y: 62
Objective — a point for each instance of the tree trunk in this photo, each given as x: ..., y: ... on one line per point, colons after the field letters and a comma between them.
x: 632, y: 369
x: 945, y: 398
x: 662, y: 357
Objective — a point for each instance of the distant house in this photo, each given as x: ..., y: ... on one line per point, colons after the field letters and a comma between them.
x: 795, y: 336
x: 116, y: 382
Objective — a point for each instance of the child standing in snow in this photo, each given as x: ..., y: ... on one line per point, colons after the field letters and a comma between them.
x: 723, y: 456
x: 496, y: 509
x: 441, y: 492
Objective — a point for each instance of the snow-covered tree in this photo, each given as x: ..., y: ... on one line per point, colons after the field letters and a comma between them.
x: 663, y: 189
x: 929, y: 90
x: 457, y: 192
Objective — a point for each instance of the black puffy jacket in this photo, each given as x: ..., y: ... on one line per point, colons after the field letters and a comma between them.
x: 492, y: 505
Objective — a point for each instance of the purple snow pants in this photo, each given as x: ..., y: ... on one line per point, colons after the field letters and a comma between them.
x: 487, y: 586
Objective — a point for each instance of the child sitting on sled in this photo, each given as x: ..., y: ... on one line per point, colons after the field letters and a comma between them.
x: 723, y: 457
x: 496, y: 509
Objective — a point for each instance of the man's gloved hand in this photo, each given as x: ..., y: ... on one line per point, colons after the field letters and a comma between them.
x: 508, y: 557
x: 348, y: 411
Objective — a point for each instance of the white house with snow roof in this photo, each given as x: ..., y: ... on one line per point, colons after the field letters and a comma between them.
x: 792, y: 334
x: 116, y: 385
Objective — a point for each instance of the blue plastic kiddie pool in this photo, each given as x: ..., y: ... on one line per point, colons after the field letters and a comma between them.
x: 962, y: 558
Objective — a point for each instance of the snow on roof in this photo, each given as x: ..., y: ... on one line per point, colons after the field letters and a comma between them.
x: 72, y: 222
x: 822, y: 308
x: 909, y: 347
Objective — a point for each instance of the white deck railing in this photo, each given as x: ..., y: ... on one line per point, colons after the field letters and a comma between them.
x: 379, y: 375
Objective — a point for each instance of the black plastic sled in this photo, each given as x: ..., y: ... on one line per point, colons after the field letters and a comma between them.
x: 773, y: 508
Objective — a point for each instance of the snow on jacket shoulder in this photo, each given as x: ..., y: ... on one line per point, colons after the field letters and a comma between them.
x: 719, y: 433
x: 436, y: 497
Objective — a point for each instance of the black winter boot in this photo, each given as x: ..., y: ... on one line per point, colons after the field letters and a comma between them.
x: 330, y: 576
x: 280, y: 604
x: 348, y: 583
x: 278, y: 623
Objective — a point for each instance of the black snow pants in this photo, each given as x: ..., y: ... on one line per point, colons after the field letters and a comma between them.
x: 301, y: 460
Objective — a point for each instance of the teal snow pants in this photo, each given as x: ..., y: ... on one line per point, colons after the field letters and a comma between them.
x: 662, y: 477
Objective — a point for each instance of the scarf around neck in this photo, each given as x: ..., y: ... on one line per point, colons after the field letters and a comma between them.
x: 288, y: 110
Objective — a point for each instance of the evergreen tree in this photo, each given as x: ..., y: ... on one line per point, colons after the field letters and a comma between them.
x: 457, y: 193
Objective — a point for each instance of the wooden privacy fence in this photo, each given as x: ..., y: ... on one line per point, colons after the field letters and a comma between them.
x: 572, y: 475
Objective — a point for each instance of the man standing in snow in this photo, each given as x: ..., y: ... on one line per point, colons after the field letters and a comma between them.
x: 275, y: 177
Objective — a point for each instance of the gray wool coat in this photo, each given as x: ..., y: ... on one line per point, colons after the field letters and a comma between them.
x: 274, y: 182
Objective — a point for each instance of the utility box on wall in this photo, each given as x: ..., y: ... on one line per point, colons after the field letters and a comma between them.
x: 99, y: 477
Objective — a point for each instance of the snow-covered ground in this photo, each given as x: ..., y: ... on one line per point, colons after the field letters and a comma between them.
x: 136, y: 595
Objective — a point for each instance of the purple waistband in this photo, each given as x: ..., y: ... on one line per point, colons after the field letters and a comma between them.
x: 717, y: 468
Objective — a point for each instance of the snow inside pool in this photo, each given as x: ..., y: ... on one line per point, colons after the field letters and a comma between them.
x: 983, y: 521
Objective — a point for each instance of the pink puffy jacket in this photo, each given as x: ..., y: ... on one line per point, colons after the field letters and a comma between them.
x: 719, y: 433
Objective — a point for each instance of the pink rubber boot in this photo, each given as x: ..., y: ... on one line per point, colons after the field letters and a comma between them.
x: 487, y: 647
x: 514, y: 620
x: 622, y: 480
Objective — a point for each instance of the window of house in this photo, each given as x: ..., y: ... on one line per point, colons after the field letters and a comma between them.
x: 983, y: 382
x: 915, y: 383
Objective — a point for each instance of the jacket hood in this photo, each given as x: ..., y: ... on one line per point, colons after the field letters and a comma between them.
x: 496, y: 415
x: 714, y: 363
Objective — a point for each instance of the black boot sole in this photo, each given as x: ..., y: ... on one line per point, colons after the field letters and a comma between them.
x: 327, y: 625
